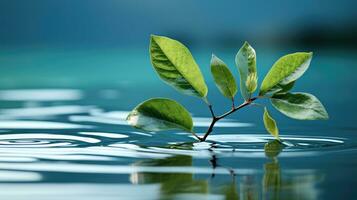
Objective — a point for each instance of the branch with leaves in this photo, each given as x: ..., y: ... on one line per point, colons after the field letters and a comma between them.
x: 176, y: 66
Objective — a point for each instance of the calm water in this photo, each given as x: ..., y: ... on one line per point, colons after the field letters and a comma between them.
x: 63, y: 133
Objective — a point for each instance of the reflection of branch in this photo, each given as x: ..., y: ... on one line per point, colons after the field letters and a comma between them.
x: 215, y: 164
x: 230, y: 190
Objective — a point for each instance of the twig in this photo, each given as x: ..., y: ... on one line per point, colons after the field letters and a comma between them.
x: 198, y: 137
x: 211, y: 110
x: 217, y: 118
x: 233, y: 106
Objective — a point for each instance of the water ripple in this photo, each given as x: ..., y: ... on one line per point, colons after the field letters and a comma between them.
x: 72, y: 147
x: 35, y: 140
x: 107, y: 135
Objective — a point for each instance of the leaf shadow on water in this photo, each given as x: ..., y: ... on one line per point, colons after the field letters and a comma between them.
x: 273, y: 183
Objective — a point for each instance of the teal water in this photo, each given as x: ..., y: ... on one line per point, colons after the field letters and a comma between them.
x: 63, y: 133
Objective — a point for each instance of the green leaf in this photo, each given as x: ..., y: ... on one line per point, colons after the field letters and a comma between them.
x: 246, y: 64
x: 160, y: 114
x: 301, y: 106
x: 280, y: 88
x: 175, y: 65
x: 251, y: 83
x: 223, y: 77
x: 286, y: 70
x: 270, y: 124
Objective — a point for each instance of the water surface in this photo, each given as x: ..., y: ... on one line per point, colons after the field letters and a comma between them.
x: 72, y: 141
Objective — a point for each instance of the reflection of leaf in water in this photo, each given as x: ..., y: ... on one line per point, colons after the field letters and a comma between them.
x: 249, y: 188
x: 182, y: 146
x: 179, y: 160
x: 277, y: 186
x: 272, y: 180
x: 173, y: 183
x: 230, y: 191
x: 296, y: 187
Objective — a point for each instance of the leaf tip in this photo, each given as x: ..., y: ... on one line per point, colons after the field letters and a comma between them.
x: 213, y: 57
x: 153, y: 37
x: 246, y: 43
x: 247, y: 46
x: 309, y: 55
x: 215, y: 60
